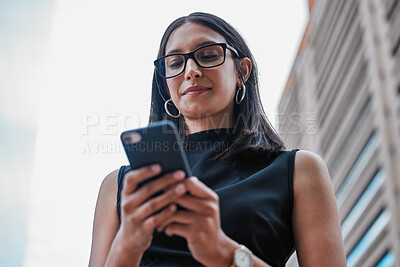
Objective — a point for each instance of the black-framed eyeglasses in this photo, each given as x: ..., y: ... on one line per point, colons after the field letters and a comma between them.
x: 208, y: 56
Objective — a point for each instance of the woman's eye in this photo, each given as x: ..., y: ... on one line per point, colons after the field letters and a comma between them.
x: 176, y: 63
x: 210, y: 57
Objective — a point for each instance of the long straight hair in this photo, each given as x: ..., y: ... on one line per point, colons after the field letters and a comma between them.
x: 254, y: 138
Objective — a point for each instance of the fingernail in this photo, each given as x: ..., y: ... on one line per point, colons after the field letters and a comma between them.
x: 180, y: 189
x: 178, y: 174
x: 172, y: 207
x: 155, y: 167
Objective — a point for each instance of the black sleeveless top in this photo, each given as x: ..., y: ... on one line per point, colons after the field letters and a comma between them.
x: 256, y: 203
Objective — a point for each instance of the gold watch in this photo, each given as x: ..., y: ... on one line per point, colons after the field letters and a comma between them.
x: 242, y: 257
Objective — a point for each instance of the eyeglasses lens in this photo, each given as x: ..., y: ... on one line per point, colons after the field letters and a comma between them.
x: 206, y: 57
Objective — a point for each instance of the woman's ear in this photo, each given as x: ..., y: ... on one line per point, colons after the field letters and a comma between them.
x: 245, y: 67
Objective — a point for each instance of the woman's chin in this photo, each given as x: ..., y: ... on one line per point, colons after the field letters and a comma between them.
x: 195, y: 109
x: 202, y: 110
x: 199, y: 112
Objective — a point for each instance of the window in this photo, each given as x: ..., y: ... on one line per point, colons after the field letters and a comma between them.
x: 352, y: 132
x: 356, y: 170
x: 368, y: 239
x: 387, y: 260
x: 362, y: 204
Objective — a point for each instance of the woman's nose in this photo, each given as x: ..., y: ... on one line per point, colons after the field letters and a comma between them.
x: 192, y: 70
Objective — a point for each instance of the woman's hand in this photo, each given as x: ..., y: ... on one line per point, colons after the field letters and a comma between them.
x: 200, y: 225
x: 140, y: 212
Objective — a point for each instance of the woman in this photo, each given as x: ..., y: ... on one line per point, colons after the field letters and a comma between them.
x: 252, y: 203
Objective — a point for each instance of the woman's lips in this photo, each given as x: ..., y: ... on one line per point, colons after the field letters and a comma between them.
x: 195, y: 90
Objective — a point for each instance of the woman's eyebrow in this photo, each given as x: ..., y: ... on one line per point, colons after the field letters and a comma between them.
x: 199, y: 45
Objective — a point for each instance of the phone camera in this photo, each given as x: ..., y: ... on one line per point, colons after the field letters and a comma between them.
x: 132, y: 138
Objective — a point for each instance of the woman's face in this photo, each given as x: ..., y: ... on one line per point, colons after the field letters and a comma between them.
x: 201, y: 92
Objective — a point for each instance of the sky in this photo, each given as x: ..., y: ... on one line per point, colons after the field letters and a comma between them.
x: 93, y: 81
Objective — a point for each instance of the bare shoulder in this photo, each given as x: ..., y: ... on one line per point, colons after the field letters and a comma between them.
x: 310, y: 171
x: 316, y: 223
x: 107, y: 197
x: 110, y: 182
x: 308, y: 162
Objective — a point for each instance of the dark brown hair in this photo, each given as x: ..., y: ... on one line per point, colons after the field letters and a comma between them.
x: 254, y: 138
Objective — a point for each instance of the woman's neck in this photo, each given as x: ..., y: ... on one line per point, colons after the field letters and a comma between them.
x: 207, y: 122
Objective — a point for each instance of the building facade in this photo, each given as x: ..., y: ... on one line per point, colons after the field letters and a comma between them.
x: 342, y: 101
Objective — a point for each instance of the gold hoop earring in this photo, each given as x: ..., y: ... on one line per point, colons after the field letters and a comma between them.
x: 169, y: 113
x: 243, y: 94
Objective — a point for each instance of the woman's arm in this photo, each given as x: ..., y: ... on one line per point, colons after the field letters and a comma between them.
x: 106, y: 222
x: 316, y: 223
x: 116, y: 244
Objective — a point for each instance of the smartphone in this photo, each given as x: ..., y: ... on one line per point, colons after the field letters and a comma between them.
x: 159, y: 143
